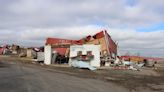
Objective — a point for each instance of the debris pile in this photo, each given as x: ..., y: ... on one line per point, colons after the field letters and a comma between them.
x: 9, y: 49
x: 128, y: 64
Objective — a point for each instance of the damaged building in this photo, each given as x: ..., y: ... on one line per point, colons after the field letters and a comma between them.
x: 108, y: 48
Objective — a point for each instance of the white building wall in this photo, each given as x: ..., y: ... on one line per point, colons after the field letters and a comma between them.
x: 84, y: 48
x: 47, y: 54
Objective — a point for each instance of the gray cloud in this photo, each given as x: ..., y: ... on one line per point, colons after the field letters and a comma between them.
x: 29, y: 22
x: 50, y: 13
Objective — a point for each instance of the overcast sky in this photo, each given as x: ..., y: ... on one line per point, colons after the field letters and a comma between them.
x: 137, y: 25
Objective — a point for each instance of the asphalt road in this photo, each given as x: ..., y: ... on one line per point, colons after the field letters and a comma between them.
x: 16, y: 77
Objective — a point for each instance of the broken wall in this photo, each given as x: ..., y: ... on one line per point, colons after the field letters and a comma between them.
x: 95, y: 49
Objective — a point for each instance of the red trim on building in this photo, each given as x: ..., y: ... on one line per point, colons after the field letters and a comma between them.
x: 1, y: 50
x: 57, y: 41
x: 61, y: 51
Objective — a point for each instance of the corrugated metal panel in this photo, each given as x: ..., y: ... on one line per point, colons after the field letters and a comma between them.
x: 57, y: 41
x: 112, y: 44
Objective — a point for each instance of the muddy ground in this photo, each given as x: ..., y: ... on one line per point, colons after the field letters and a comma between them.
x: 147, y: 78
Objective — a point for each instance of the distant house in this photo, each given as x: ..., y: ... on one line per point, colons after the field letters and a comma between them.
x: 140, y: 58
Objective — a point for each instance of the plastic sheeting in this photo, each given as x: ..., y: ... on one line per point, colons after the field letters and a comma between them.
x: 81, y: 64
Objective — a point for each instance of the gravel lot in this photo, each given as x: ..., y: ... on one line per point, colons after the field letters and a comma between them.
x: 20, y: 75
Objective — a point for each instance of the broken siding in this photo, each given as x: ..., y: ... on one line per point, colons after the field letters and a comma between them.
x: 112, y: 45
x: 94, y: 49
x: 100, y: 41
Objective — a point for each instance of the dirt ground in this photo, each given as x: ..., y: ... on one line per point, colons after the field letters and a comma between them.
x: 148, y: 78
